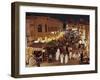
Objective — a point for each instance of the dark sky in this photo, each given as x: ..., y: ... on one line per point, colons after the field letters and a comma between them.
x: 62, y: 17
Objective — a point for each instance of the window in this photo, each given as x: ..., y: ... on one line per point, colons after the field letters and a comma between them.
x: 45, y: 27
x: 39, y: 28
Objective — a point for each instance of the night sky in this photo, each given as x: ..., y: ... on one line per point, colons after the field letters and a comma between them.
x: 62, y: 17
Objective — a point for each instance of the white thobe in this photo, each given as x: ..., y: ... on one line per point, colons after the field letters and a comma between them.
x: 70, y: 55
x: 66, y: 59
x: 57, y: 54
x: 61, y: 58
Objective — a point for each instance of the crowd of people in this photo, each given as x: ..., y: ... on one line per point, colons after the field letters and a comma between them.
x: 65, y: 50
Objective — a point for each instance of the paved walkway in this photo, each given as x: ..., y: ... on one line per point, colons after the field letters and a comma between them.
x: 57, y: 63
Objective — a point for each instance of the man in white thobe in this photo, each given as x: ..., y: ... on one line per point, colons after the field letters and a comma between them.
x: 61, y: 58
x: 70, y: 55
x: 66, y: 58
x: 57, y: 54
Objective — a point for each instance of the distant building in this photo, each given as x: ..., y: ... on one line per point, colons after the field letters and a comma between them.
x: 41, y: 26
x: 82, y: 26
